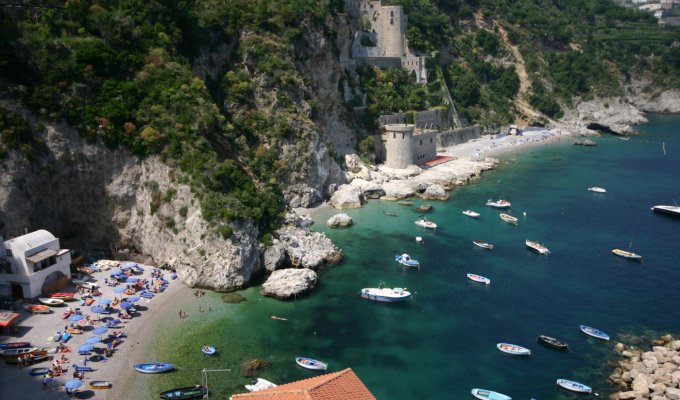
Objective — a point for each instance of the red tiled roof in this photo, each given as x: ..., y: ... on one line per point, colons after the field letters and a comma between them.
x: 343, y: 385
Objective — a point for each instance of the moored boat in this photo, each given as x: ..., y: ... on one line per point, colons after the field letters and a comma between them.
x: 500, y: 204
x: 419, y: 239
x: 597, y: 189
x: 385, y: 295
x: 38, y: 308
x: 552, y: 342
x: 153, y: 368
x: 627, y: 254
x: 14, y: 351
x: 537, y: 247
x: 185, y: 393
x: 423, y: 222
x: 483, y: 245
x: 407, y: 261
x: 260, y: 384
x: 310, y: 363
x: 51, y: 302
x: 479, y: 278
x: 513, y: 349
x: 471, y: 213
x: 208, y: 350
x: 100, y: 385
x: 670, y: 210
x: 14, y: 345
x: 574, y: 386
x: 66, y: 296
x: 489, y: 395
x: 508, y: 218
x: 596, y: 333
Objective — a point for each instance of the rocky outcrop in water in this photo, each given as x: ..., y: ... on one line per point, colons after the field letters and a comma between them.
x: 307, y: 249
x: 653, y: 374
x: 347, y: 196
x: 289, y: 283
x: 434, y: 192
x: 339, y: 221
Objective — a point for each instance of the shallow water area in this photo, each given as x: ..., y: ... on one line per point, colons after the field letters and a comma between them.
x: 443, y: 341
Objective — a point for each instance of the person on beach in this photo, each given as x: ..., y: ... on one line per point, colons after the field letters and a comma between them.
x: 20, y: 361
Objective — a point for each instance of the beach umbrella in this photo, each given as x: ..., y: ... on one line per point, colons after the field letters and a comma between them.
x: 126, y: 305
x: 93, y: 340
x: 73, y: 384
x: 99, y: 310
x: 76, y: 318
x: 132, y: 280
x: 132, y: 299
x: 130, y: 264
x: 86, y: 348
x: 105, y: 300
x: 100, y: 330
x: 119, y: 290
x: 117, y: 271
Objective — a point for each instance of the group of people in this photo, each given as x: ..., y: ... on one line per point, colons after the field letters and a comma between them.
x: 24, y: 360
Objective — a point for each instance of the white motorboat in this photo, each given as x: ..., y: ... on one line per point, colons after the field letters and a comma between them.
x: 509, y: 219
x: 574, y: 386
x: 670, y: 210
x: 471, y: 213
x: 51, y: 302
x: 537, y: 247
x: 260, y: 384
x: 513, y: 349
x: 479, y: 278
x: 484, y: 394
x: 385, y: 295
x: 407, y: 261
x: 597, y: 189
x: 627, y: 254
x: 483, y: 245
x: 500, y: 203
x: 423, y: 222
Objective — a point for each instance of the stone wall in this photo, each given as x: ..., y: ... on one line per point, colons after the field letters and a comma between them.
x: 424, y: 147
x: 456, y: 136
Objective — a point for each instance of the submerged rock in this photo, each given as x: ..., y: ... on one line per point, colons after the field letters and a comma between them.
x: 424, y: 208
x: 287, y: 283
x: 252, y: 367
x: 339, y: 221
x: 233, y: 298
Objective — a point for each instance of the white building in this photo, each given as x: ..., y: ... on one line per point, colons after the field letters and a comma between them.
x: 33, y: 264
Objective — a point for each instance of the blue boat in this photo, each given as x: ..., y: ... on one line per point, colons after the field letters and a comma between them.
x: 14, y: 345
x: 146, y: 295
x: 39, y: 371
x: 65, y: 336
x: 310, y: 363
x: 154, y: 368
x: 574, y: 386
x: 407, y: 261
x: 596, y: 333
x: 489, y: 395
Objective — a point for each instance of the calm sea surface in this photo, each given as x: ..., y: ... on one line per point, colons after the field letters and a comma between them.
x: 442, y: 344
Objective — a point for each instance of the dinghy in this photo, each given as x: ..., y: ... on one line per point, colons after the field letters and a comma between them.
x: 574, y: 386
x: 508, y: 218
x: 208, y: 350
x: 471, y: 214
x: 597, y: 189
x: 185, y: 393
x: 14, y: 345
x: 483, y: 245
x: 37, y: 308
x: 259, y: 384
x: 51, y: 302
x: 153, y: 368
x: 63, y: 296
x: 310, y: 363
x: 39, y: 371
x: 552, y: 342
x: 98, y: 385
x: 489, y: 395
x: 627, y: 254
x: 513, y: 349
x: 537, y: 247
x: 407, y: 261
x: 479, y: 278
x: 598, y: 334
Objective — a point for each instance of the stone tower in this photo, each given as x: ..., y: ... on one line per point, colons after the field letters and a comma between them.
x: 399, y: 145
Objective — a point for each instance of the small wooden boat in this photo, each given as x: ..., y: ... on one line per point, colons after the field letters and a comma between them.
x: 596, y: 333
x: 185, y: 393
x: 310, y: 363
x: 483, y: 245
x: 39, y: 371
x: 153, y: 368
x: 537, y: 247
x: 51, y: 302
x: 513, y: 349
x: 479, y: 278
x: 260, y: 384
x: 407, y: 261
x: 500, y: 204
x: 37, y: 308
x: 574, y: 386
x: 597, y: 189
x: 509, y: 219
x: 208, y: 350
x: 100, y: 385
x: 423, y: 222
x: 34, y: 354
x: 489, y: 395
x: 14, y: 345
x: 385, y: 295
x: 552, y: 342
x: 63, y: 296
x: 471, y: 214
x: 627, y: 254
x: 15, y: 351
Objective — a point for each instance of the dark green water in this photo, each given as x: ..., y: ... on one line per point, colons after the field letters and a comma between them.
x: 443, y: 342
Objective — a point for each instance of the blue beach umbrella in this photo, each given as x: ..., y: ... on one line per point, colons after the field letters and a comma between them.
x: 100, y: 330
x: 126, y: 305
x: 93, y: 340
x: 116, y: 271
x: 105, y: 300
x: 86, y: 348
x: 99, y: 310
x: 119, y: 290
x: 73, y: 384
x: 76, y: 318
x: 132, y: 299
x: 130, y: 264
x: 132, y: 280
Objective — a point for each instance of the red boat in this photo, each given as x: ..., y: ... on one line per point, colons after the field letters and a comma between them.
x: 14, y: 345
x: 63, y: 295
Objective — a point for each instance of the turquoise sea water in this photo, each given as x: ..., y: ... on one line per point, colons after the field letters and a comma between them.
x: 442, y: 344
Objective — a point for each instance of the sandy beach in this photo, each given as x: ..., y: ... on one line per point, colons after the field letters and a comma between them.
x: 17, y: 383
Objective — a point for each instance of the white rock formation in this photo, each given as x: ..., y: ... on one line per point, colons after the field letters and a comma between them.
x: 347, y: 196
x: 434, y: 192
x: 288, y: 283
x: 339, y: 221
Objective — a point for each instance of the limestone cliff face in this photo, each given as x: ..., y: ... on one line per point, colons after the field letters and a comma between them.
x: 94, y: 197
